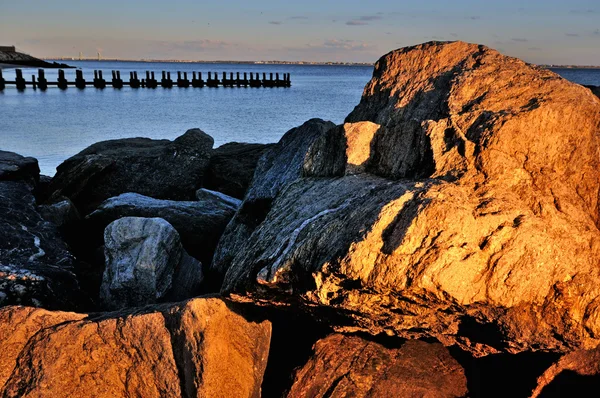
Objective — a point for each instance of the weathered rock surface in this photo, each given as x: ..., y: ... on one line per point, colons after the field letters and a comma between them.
x: 200, y: 223
x: 280, y: 165
x: 161, y: 169
x: 350, y: 366
x: 232, y: 167
x: 61, y: 213
x: 146, y: 263
x: 199, y: 348
x: 475, y: 220
x: 35, y: 264
x: 595, y: 90
x: 206, y: 194
x: 14, y: 167
x: 581, y: 367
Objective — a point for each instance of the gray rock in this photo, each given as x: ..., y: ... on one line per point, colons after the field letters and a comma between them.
x: 205, y: 194
x: 14, y: 167
x: 61, y: 213
x: 232, y: 167
x: 158, y: 168
x: 199, y: 223
x: 279, y: 166
x: 36, y: 267
x: 144, y: 261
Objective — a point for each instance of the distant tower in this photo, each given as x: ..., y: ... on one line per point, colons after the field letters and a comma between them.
x: 99, y: 56
x: 80, y: 55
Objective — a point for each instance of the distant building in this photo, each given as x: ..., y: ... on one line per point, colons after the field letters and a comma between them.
x: 8, y: 49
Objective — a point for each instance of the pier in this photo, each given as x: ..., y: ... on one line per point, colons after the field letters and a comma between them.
x: 252, y: 79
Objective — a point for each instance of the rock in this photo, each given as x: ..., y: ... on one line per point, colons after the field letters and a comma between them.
x: 14, y: 167
x: 578, y: 370
x: 206, y: 194
x: 595, y: 90
x: 200, y: 348
x: 199, y: 223
x: 146, y: 263
x: 475, y: 221
x: 35, y: 264
x: 161, y: 169
x: 280, y: 165
x: 350, y: 366
x: 61, y: 213
x: 232, y: 167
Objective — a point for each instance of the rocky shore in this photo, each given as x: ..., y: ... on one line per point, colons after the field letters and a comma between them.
x: 13, y: 59
x: 443, y: 242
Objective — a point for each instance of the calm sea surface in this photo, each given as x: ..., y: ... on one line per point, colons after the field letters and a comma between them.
x: 55, y: 124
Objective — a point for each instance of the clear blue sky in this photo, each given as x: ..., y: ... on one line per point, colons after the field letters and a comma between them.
x: 551, y: 31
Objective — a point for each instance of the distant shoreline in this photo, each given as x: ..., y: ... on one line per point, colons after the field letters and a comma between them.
x: 216, y: 62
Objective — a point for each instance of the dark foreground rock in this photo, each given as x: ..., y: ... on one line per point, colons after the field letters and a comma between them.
x: 200, y: 223
x: 161, y: 169
x: 280, y: 165
x: 576, y: 374
x: 35, y: 264
x: 351, y: 366
x: 199, y: 348
x: 145, y: 264
x: 595, y: 90
x: 473, y: 218
x: 14, y: 167
x: 232, y: 167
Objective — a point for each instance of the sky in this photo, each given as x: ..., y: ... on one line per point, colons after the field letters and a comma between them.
x: 543, y: 32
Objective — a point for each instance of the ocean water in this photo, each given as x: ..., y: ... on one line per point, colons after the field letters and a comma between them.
x: 53, y: 125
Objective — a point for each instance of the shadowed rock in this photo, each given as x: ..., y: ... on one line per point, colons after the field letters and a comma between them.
x: 350, y: 366
x: 199, y: 348
x: 474, y: 221
x: 576, y: 374
x: 595, y: 90
x: 35, y: 264
x: 146, y: 263
x: 232, y: 167
x: 161, y: 169
x: 280, y: 165
x: 14, y: 167
x: 199, y: 223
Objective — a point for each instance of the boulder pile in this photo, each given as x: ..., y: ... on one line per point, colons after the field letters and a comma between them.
x: 443, y: 241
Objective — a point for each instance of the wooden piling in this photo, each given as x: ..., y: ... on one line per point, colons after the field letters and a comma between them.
x: 19, y: 80
x: 228, y: 80
x: 42, y: 82
x: 79, y: 80
x: 134, y: 82
x: 62, y: 82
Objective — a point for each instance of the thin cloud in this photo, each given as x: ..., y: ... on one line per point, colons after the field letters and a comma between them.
x: 572, y: 34
x: 275, y: 22
x: 587, y: 11
x: 453, y: 34
x: 298, y: 17
x: 356, y: 23
x: 596, y: 32
x: 474, y: 17
x: 369, y: 18
x: 363, y: 20
x: 520, y: 40
x: 534, y: 49
x: 335, y: 45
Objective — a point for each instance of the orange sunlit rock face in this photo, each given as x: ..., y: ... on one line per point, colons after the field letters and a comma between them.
x: 196, y: 348
x: 475, y: 219
x: 352, y: 366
